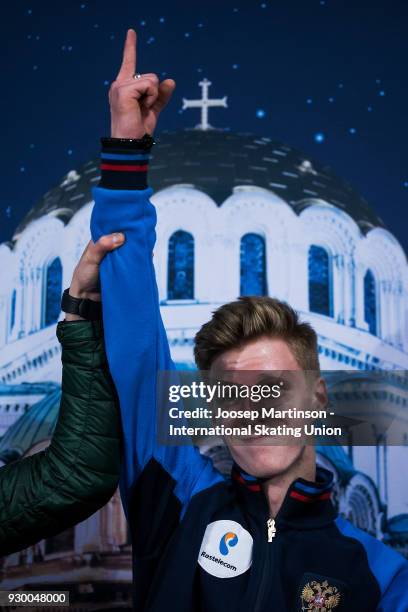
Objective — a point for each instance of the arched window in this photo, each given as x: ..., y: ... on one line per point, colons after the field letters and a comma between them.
x: 252, y: 265
x: 370, y: 302
x: 320, y: 282
x: 180, y: 271
x: 13, y: 309
x: 53, y: 290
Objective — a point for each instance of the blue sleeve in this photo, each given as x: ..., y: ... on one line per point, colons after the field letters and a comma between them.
x: 389, y: 568
x: 395, y: 597
x: 136, y: 341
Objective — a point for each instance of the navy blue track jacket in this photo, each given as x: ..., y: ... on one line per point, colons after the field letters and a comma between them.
x: 200, y: 541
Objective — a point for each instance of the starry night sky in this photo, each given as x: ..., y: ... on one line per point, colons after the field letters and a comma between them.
x: 324, y: 76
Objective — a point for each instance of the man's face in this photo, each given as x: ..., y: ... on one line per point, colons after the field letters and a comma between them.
x: 273, y: 356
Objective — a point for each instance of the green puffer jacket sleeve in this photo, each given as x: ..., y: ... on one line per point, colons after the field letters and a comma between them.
x: 78, y: 472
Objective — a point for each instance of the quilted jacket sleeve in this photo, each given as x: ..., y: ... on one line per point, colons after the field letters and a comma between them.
x: 78, y: 472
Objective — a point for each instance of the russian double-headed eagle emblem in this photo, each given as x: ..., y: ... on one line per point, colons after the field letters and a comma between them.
x: 319, y: 597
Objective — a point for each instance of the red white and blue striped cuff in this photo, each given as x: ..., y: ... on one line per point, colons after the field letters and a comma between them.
x: 124, y: 168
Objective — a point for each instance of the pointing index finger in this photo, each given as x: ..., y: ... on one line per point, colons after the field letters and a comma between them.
x: 128, y: 67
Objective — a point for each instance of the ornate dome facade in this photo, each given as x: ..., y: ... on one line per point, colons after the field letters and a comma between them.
x: 215, y: 162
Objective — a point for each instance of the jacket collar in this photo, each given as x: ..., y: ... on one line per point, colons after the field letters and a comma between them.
x: 306, y: 505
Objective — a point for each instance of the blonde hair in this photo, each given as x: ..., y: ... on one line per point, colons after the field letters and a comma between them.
x: 249, y: 317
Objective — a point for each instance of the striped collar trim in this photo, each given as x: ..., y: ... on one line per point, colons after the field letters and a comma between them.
x: 250, y: 482
x: 301, y: 490
x: 308, y: 491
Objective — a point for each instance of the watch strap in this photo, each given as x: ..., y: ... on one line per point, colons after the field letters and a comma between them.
x: 91, y: 310
x: 145, y: 143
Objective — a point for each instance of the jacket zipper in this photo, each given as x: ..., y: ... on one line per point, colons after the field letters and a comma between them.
x: 270, y: 524
x: 271, y: 533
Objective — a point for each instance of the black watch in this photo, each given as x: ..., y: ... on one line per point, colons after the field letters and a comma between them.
x: 84, y: 307
x: 145, y: 143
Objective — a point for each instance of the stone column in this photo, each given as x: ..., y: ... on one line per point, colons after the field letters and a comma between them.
x: 21, y: 303
x: 349, y: 291
x: 32, y: 302
x: 226, y: 280
x: 37, y: 298
x: 384, y: 311
x: 4, y: 320
x: 28, y: 300
x: 397, y: 316
x: 403, y: 309
x: 359, y: 296
x: 294, y: 275
x: 337, y: 287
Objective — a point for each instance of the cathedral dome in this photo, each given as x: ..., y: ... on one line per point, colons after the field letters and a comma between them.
x: 33, y: 428
x: 216, y: 161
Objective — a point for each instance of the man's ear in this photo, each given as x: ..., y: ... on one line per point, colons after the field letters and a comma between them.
x: 320, y: 394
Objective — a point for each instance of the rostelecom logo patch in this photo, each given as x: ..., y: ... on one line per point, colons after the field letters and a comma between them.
x: 226, y: 549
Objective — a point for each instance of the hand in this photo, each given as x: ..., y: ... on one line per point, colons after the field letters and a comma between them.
x: 136, y: 103
x: 85, y: 280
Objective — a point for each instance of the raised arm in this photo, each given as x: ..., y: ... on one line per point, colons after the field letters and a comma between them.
x: 135, y: 338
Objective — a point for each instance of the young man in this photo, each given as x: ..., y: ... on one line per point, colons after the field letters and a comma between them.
x: 268, y: 538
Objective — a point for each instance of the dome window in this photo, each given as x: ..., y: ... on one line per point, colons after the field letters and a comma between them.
x: 253, y: 265
x: 13, y: 310
x: 370, y: 302
x: 53, y: 291
x: 320, y: 281
x: 180, y: 270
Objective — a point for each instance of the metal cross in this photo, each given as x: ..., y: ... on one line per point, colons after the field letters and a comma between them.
x: 204, y: 104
